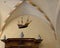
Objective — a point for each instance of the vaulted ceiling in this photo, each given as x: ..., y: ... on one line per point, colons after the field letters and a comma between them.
x: 50, y: 8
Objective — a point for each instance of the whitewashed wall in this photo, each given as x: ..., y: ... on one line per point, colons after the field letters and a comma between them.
x: 49, y: 6
x: 37, y: 26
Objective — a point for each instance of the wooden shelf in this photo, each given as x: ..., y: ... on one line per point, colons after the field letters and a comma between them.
x: 22, y: 43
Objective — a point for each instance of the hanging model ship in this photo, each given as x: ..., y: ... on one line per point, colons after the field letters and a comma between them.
x: 24, y: 25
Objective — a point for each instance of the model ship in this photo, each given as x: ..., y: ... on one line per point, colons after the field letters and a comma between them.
x: 24, y: 25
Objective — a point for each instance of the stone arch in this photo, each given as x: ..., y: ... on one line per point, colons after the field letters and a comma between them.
x: 26, y: 7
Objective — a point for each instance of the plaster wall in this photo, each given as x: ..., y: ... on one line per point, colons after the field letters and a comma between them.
x: 35, y: 28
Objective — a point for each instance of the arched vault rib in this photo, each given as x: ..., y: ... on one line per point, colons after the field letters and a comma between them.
x: 9, y: 17
x: 51, y: 25
x: 39, y: 9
